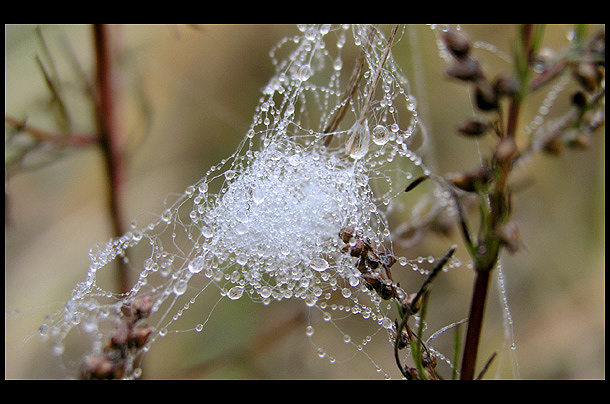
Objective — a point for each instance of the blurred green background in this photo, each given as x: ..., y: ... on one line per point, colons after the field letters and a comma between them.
x: 187, y: 94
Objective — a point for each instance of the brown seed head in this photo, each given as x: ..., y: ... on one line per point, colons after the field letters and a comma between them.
x: 346, y: 233
x: 474, y: 127
x: 467, y: 69
x: 457, y: 42
x: 141, y: 307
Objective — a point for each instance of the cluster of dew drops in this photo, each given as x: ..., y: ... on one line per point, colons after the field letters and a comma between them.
x: 278, y: 212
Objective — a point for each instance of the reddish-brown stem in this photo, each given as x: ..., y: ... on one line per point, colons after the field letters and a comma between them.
x: 488, y: 247
x: 475, y: 324
x: 108, y: 139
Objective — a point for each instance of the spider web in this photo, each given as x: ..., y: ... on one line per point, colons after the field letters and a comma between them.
x: 329, y: 147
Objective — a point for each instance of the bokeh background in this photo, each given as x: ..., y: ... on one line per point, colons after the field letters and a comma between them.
x: 187, y: 95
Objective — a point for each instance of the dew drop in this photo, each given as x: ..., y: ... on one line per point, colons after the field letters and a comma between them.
x: 310, y: 301
x: 357, y: 144
x: 265, y: 292
x: 207, y: 231
x: 380, y: 135
x: 241, y: 259
x: 319, y: 264
x: 386, y: 323
x: 166, y: 216
x: 309, y: 331
x: 229, y: 174
x: 338, y: 64
x: 180, y: 287
x: 196, y: 265
x: 241, y: 229
x: 304, y: 73
x: 235, y: 292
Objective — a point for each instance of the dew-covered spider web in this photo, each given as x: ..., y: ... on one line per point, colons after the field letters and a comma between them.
x: 332, y: 144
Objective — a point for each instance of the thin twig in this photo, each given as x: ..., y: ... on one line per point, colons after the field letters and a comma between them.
x: 486, y: 367
x: 412, y: 308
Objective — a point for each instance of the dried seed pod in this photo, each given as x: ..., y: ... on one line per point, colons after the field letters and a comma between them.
x: 416, y: 182
x: 140, y: 335
x: 356, y: 248
x: 101, y: 367
x: 486, y: 97
x: 467, y: 69
x: 474, y: 127
x: 588, y: 75
x: 387, y: 258
x: 346, y: 233
x: 383, y: 287
x: 119, y: 337
x: 457, y: 42
x: 470, y: 181
x: 510, y: 236
x: 552, y: 146
x: 506, y: 86
x: 579, y: 99
x: 141, y: 307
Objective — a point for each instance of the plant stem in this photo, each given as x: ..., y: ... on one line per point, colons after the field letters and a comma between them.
x: 108, y: 139
x: 475, y: 324
x: 496, y: 214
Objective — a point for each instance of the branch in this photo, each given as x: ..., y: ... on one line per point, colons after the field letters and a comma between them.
x: 58, y: 139
x: 108, y: 136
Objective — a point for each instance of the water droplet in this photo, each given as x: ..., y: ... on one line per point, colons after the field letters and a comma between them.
x: 357, y: 145
x: 258, y: 195
x: 180, y: 287
x: 310, y: 301
x: 235, y: 292
x: 199, y: 327
x: 319, y: 264
x: 265, y: 292
x: 294, y: 160
x: 304, y: 73
x: 241, y: 259
x: 58, y: 349
x: 338, y: 64
x: 387, y: 323
x: 309, y: 331
x: 241, y: 229
x: 229, y: 174
x: 289, y: 110
x: 166, y: 216
x: 380, y: 135
x: 207, y: 231
x: 196, y: 265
